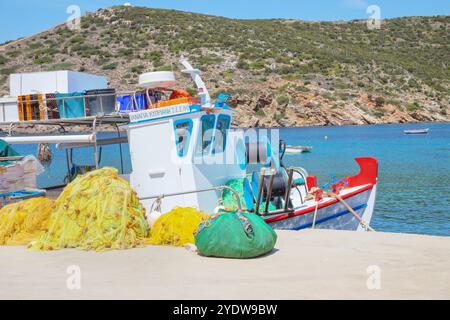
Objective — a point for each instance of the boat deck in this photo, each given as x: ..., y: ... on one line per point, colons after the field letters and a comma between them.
x: 312, y: 264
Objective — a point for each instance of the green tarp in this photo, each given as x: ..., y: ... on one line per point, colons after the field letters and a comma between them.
x: 6, y: 151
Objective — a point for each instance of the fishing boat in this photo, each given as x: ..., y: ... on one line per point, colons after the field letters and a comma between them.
x: 417, y: 131
x: 185, y: 153
x: 298, y: 149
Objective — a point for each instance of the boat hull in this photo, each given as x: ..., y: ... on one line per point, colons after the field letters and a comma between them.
x: 298, y: 150
x: 331, y: 214
x: 416, y: 132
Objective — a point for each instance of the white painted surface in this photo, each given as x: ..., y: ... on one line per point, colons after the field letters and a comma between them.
x: 368, y: 213
x: 195, y: 75
x: 51, y: 139
x: 78, y: 81
x: 158, y: 170
x: 54, y: 81
x: 159, y: 79
x: 150, y: 149
x: 8, y: 110
x: 345, y: 221
x: 146, y: 115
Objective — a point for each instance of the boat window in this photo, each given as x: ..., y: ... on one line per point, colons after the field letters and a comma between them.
x: 206, y: 134
x: 183, y: 131
x: 223, y: 125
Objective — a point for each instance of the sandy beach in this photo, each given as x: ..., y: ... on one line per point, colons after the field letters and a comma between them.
x: 306, y: 265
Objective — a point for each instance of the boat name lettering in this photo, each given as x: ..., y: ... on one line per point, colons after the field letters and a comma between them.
x: 159, y: 113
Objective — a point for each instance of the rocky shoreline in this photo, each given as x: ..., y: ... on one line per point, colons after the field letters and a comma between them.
x: 305, y: 109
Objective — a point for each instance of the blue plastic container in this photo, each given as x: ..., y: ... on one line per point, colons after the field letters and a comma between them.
x: 127, y: 103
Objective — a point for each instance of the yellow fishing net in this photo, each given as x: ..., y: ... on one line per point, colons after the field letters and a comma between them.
x: 23, y: 222
x: 177, y: 227
x: 97, y: 211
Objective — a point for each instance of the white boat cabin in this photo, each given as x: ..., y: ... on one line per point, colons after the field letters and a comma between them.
x: 191, y: 151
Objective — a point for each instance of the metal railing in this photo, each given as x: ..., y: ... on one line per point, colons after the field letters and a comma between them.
x: 44, y: 101
x: 220, y: 188
x: 267, y: 194
x: 133, y: 106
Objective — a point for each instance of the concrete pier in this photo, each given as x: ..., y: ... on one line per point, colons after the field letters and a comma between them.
x: 306, y: 265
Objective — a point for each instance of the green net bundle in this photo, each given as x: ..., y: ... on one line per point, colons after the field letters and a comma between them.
x: 229, y: 200
x: 177, y: 228
x: 97, y: 211
x: 22, y: 222
x: 236, y: 236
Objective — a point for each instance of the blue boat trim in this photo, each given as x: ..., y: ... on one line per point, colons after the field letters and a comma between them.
x: 334, y: 216
x: 177, y: 142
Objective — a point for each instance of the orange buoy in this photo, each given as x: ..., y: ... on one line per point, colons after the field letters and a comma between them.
x: 179, y: 93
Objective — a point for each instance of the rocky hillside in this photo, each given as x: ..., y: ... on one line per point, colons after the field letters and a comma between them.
x: 279, y: 72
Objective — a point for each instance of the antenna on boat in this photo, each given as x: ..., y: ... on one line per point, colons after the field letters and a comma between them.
x: 195, y: 75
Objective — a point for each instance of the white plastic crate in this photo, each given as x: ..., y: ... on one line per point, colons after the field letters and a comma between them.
x: 20, y: 175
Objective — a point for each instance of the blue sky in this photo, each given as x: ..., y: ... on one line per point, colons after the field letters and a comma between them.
x: 20, y: 18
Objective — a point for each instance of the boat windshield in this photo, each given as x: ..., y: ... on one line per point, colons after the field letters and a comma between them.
x: 183, y: 131
x: 220, y: 140
x: 206, y: 134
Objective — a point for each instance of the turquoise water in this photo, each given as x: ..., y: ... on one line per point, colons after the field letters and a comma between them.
x: 414, y: 181
x: 414, y: 184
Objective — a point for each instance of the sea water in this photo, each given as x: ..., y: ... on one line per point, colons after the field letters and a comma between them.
x: 414, y: 180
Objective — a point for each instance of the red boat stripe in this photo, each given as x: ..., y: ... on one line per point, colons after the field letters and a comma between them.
x: 322, y: 205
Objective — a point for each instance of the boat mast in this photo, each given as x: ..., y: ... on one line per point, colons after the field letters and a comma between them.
x: 195, y: 75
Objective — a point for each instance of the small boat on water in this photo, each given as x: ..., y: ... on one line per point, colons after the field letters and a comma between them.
x: 417, y: 131
x: 298, y: 149
x: 184, y: 153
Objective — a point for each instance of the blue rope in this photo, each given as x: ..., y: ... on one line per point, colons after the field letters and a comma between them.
x: 333, y: 180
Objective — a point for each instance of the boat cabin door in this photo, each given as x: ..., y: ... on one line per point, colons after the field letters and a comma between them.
x: 154, y: 170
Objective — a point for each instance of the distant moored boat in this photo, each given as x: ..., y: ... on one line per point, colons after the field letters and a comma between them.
x: 298, y: 149
x: 417, y: 131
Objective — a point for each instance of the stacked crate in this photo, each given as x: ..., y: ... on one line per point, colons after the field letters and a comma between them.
x: 37, y: 107
x: 19, y: 175
x: 30, y: 107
